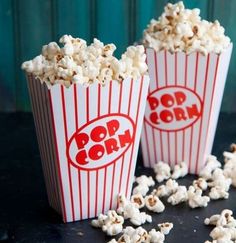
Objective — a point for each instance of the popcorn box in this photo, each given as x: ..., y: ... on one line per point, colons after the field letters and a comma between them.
x: 183, y: 106
x: 88, y: 140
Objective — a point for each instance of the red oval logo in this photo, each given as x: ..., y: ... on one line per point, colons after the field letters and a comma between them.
x: 100, y: 142
x: 173, y: 108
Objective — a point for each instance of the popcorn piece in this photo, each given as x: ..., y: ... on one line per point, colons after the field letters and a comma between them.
x: 218, y: 179
x: 156, y: 236
x: 144, y: 180
x: 211, y: 164
x: 166, y: 190
x: 195, y: 198
x: 180, y: 170
x: 141, y: 189
x: 111, y: 224
x: 138, y: 199
x: 162, y: 171
x: 218, y: 192
x: 153, y: 203
x: 112, y: 241
x: 180, y: 29
x: 140, y: 218
x: 220, y: 233
x: 179, y: 196
x: 200, y: 183
x: 165, y: 228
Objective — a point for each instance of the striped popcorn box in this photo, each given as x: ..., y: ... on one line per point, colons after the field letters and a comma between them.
x: 88, y: 140
x: 183, y: 106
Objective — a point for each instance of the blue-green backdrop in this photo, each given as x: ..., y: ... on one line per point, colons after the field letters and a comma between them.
x: 25, y: 25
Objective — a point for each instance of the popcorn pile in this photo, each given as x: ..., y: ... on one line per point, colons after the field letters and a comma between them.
x: 180, y: 29
x: 76, y: 62
x: 211, y: 176
x: 225, y: 227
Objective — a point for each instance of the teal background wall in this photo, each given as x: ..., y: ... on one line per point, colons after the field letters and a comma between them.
x: 25, y: 25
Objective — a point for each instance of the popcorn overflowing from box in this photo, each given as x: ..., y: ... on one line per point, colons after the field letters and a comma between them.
x: 188, y: 60
x: 88, y: 109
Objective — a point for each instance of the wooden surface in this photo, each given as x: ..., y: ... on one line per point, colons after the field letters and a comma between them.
x: 28, y: 24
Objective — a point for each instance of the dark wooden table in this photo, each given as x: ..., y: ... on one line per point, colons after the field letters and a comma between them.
x: 24, y: 212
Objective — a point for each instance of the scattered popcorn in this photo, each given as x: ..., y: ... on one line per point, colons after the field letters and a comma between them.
x: 138, y: 199
x: 180, y: 170
x: 165, y: 228
x: 166, y: 190
x: 211, y: 164
x: 144, y: 183
x: 111, y: 224
x: 180, y: 29
x: 200, y: 183
x: 162, y: 171
x: 195, y: 198
x: 218, y: 192
x: 218, y: 179
x: 76, y: 62
x: 153, y: 203
x: 130, y: 210
x: 179, y: 196
x: 156, y: 236
x: 140, y: 218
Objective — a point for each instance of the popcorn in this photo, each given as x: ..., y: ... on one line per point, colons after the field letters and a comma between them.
x: 75, y: 62
x: 111, y: 224
x: 219, y: 180
x: 144, y: 183
x: 211, y: 164
x: 166, y: 190
x: 180, y: 170
x: 138, y: 199
x: 195, y: 198
x: 180, y: 29
x: 153, y: 203
x: 218, y: 192
x: 130, y: 210
x: 179, y: 196
x: 165, y: 228
x: 162, y: 171
x: 156, y: 236
x: 200, y: 183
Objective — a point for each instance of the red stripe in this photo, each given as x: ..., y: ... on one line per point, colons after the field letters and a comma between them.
x: 80, y: 195
x: 122, y: 165
x: 136, y: 120
x: 191, y: 136
x: 110, y: 92
x: 205, y: 84
x: 154, y: 144
x: 183, y: 159
x: 176, y: 81
x: 66, y: 140
x: 112, y: 185
x: 130, y: 96
x: 210, y: 113
x: 77, y: 126
x: 168, y: 139
x: 146, y: 138
x: 186, y: 70
x: 88, y: 182
x: 166, y: 72
x: 96, y: 196
x: 162, y: 155
x: 88, y: 173
x: 156, y: 73
x: 57, y: 160
x: 99, y: 97
x: 104, y: 190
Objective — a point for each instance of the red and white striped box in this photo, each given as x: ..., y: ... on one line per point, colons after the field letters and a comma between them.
x: 88, y: 139
x: 183, y: 106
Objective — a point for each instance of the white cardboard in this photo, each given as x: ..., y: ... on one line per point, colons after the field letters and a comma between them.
x: 77, y: 189
x: 201, y: 79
